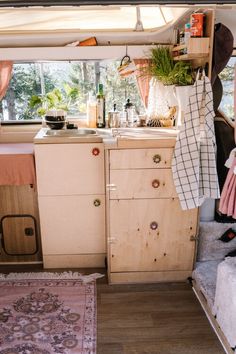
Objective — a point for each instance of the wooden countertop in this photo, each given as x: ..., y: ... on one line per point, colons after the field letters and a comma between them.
x: 120, y: 138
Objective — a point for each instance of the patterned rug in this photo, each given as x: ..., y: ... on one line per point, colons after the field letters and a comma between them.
x: 55, y: 314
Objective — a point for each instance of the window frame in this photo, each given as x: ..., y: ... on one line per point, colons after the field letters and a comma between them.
x: 115, y: 53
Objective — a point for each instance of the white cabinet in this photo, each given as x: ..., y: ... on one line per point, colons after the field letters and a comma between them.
x: 69, y: 169
x: 71, y: 194
x: 150, y: 237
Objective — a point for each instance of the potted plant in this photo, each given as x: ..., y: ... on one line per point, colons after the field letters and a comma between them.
x: 55, y: 104
x: 172, y: 75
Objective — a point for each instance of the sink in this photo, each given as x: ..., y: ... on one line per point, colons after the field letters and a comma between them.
x: 70, y: 132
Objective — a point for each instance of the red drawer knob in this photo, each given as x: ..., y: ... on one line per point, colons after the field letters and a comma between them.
x: 155, y: 183
x: 95, y: 151
x: 157, y: 158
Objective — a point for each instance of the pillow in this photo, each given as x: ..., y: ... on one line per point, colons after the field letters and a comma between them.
x: 231, y: 254
x: 228, y: 235
x: 210, y: 248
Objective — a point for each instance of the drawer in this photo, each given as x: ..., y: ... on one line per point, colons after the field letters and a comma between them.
x: 135, y: 184
x: 140, y: 158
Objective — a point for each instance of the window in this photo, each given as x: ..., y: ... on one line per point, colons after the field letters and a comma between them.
x: 227, y: 78
x: 31, y: 79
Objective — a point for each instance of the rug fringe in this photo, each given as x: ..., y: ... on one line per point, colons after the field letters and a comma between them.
x: 50, y: 275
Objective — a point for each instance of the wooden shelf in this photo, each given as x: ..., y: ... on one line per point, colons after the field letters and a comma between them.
x: 191, y: 56
x: 197, y: 48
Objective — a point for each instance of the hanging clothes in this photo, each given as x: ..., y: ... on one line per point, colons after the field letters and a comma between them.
x: 194, y: 160
x: 228, y: 197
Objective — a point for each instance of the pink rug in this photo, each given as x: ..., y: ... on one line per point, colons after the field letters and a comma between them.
x: 45, y: 316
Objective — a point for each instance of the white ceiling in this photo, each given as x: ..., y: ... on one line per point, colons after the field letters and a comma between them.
x: 62, y: 25
x: 59, y: 26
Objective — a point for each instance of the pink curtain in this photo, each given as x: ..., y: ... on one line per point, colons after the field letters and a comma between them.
x: 235, y: 103
x: 5, y: 76
x: 142, y: 80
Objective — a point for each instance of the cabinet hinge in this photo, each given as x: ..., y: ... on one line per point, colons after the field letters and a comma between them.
x: 111, y: 240
x: 194, y: 238
x: 111, y: 187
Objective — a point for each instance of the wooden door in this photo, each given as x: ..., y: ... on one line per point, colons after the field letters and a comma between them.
x: 151, y: 235
x: 19, y: 235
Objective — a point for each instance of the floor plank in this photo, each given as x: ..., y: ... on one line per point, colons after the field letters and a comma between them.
x: 147, y: 318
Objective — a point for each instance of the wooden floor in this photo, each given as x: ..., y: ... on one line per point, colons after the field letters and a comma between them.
x: 149, y: 319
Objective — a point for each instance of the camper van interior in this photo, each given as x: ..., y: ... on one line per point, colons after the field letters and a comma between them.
x: 117, y: 187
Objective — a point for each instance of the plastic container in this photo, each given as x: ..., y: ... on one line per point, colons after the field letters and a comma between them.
x: 92, y: 111
x: 187, y: 33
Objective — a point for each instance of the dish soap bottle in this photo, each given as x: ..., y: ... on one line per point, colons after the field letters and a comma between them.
x: 100, y: 107
x: 92, y: 111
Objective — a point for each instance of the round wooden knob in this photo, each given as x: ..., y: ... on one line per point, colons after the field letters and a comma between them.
x: 156, y: 158
x: 153, y: 225
x: 95, y: 151
x: 97, y: 202
x: 155, y: 183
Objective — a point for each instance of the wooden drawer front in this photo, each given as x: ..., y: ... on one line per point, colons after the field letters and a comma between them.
x: 72, y: 224
x: 150, y: 183
x: 135, y: 244
x: 140, y: 158
x: 69, y: 169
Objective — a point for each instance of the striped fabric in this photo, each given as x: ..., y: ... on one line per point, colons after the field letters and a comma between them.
x: 194, y: 161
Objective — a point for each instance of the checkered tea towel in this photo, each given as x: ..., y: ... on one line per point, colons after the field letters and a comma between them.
x: 194, y: 160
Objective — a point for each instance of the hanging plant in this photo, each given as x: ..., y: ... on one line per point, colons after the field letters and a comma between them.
x: 163, y: 68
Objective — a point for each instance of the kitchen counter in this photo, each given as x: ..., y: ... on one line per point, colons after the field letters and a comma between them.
x: 112, y: 138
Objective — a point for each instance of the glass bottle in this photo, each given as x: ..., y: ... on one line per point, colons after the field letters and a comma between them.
x: 129, y: 113
x: 100, y: 98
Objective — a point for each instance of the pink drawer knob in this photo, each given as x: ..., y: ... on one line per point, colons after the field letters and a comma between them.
x: 153, y: 225
x: 155, y: 183
x: 95, y: 151
x: 157, y: 158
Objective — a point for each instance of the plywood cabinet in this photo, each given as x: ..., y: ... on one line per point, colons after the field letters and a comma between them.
x: 71, y: 192
x: 150, y: 237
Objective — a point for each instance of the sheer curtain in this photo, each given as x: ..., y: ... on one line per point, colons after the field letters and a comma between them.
x: 142, y: 80
x: 5, y: 76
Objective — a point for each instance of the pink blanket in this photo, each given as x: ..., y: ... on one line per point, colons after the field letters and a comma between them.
x: 17, y: 164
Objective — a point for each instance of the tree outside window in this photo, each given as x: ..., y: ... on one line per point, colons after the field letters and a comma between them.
x: 31, y: 79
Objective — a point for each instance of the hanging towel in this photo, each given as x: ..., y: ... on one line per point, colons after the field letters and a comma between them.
x: 228, y: 196
x: 194, y: 160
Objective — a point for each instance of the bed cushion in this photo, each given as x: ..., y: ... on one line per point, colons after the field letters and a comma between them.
x: 210, y: 248
x: 225, y: 299
x: 205, y: 277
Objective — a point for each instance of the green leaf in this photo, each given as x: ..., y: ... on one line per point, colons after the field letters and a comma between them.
x: 35, y: 100
x: 41, y: 111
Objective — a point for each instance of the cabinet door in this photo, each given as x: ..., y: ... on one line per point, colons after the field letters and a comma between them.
x: 151, y: 235
x: 142, y: 183
x: 69, y: 169
x: 72, y: 224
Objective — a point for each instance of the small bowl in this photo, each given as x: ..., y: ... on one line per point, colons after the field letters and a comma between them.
x: 55, y: 121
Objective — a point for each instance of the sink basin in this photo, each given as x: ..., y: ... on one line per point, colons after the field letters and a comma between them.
x: 70, y: 132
